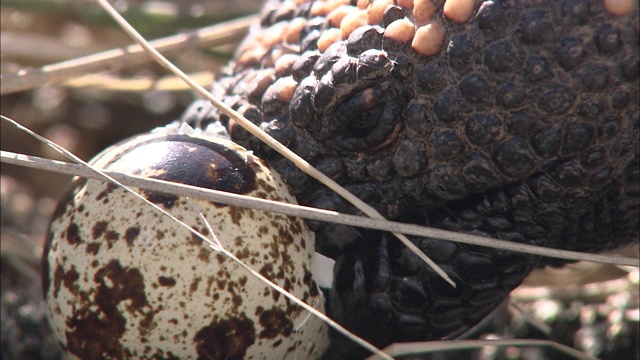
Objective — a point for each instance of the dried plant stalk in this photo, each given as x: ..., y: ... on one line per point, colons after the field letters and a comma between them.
x: 216, y: 35
x: 307, y: 212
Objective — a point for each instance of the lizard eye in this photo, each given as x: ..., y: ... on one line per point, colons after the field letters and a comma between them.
x: 361, y: 113
x: 363, y: 124
x: 366, y: 121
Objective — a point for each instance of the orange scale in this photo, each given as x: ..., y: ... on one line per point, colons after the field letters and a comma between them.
x: 285, y: 87
x: 284, y: 63
x: 363, y: 4
x: 423, y: 11
x: 459, y: 10
x: 318, y: 9
x: 274, y: 35
x: 620, y: 7
x: 335, y: 17
x: 428, y: 39
x: 353, y: 21
x: 401, y: 30
x: 292, y: 34
x: 407, y: 4
x: 329, y: 37
x: 375, y: 11
x: 334, y: 4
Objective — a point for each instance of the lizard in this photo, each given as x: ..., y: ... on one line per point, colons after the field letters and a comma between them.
x: 512, y: 119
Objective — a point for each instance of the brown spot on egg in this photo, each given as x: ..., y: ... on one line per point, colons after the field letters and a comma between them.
x: 226, y: 338
x: 243, y: 253
x: 275, y: 322
x: 221, y: 283
x: 264, y: 185
x: 125, y: 284
x: 93, y: 248
x: 166, y: 281
x: 70, y: 280
x: 308, y: 280
x: 193, y: 287
x: 284, y: 237
x: 109, y: 188
x: 204, y: 253
x: 194, y: 240
x: 111, y: 235
x: 73, y: 234
x: 167, y: 201
x: 131, y: 234
x: 96, y: 333
x: 94, y: 337
x: 267, y: 271
x: 295, y: 226
x: 145, y: 325
x: 235, y: 214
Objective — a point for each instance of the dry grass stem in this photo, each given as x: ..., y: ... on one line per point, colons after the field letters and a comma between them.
x: 568, y: 292
x: 138, y: 84
x: 417, y: 348
x: 216, y: 35
x: 536, y: 323
x: 39, y: 47
x: 307, y: 212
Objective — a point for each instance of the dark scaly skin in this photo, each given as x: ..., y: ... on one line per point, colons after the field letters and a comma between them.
x: 524, y: 128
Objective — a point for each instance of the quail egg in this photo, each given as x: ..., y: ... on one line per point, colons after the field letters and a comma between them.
x: 123, y: 281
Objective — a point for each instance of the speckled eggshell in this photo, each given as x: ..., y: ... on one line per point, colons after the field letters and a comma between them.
x: 122, y: 281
